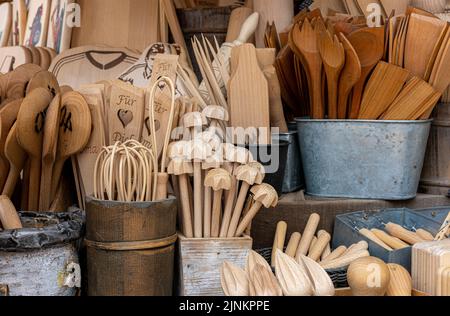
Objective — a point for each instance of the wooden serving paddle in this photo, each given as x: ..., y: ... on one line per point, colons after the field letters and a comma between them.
x: 46, y: 80
x: 350, y: 75
x: 74, y: 132
x: 17, y: 158
x: 8, y: 215
x: 30, y: 134
x: 50, y: 142
x: 369, y: 45
x: 8, y: 115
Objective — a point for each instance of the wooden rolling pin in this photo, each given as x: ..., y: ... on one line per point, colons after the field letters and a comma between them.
x: 308, y: 235
x: 337, y: 253
x: 8, y: 215
x: 367, y: 233
x: 292, y: 246
x: 278, y: 241
x: 403, y: 234
x: 322, y: 242
x: 392, y: 242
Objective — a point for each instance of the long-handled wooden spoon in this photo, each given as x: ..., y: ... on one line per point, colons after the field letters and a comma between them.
x: 74, y: 132
x: 349, y: 77
x: 333, y: 56
x: 30, y: 134
x: 369, y: 45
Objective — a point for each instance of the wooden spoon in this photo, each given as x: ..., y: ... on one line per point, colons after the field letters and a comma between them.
x: 333, y: 56
x: 306, y: 43
x: 351, y: 73
x: 8, y: 115
x: 74, y: 132
x: 17, y: 158
x: 50, y: 142
x: 369, y: 45
x: 30, y: 132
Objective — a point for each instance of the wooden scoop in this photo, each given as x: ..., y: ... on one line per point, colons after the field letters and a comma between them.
x: 333, y: 56
x: 369, y: 45
x: 50, y: 142
x: 74, y: 132
x: 8, y: 215
x: 30, y: 134
x: 351, y: 73
x: 17, y: 158
x: 8, y: 115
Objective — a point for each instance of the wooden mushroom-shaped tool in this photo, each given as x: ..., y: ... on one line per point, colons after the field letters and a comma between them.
x: 293, y: 278
x: 8, y: 115
x: 263, y: 283
x: 368, y: 276
x: 212, y: 162
x: 219, y: 180
x: 321, y: 281
x: 182, y: 168
x: 195, y: 121
x: 17, y: 158
x: 216, y: 114
x: 249, y: 175
x: 400, y: 282
x: 8, y: 215
x: 263, y: 195
x: 50, y: 142
x: 234, y: 280
x: 30, y: 135
x: 74, y: 132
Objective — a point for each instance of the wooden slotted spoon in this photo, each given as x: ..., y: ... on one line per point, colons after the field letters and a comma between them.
x: 369, y: 45
x: 333, y: 56
x: 30, y: 132
x: 74, y: 132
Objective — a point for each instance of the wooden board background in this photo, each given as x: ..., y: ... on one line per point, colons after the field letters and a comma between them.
x: 118, y: 23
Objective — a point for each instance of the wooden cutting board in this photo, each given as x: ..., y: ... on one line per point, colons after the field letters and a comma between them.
x: 13, y: 57
x: 423, y: 35
x: 59, y: 32
x: 126, y: 112
x: 248, y: 94
x: 118, y: 23
x: 20, y: 12
x: 89, y: 64
x: 5, y: 23
x: 37, y: 23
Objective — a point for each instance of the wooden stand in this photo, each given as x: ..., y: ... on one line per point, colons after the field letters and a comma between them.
x: 200, y: 260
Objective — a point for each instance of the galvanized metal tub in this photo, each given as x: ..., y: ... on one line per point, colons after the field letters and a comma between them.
x: 363, y: 159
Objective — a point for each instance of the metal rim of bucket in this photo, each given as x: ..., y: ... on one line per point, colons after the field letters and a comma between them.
x: 303, y: 120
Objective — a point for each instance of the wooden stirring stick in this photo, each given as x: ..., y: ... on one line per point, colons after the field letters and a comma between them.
x: 74, y: 132
x: 50, y: 142
x: 30, y: 134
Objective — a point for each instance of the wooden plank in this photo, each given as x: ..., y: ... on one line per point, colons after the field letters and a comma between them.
x: 200, y: 261
x: 118, y: 23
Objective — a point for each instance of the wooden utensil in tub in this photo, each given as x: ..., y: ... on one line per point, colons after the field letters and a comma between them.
x: 30, y: 135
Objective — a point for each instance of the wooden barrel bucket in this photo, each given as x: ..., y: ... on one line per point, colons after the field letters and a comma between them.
x: 436, y: 171
x: 130, y: 247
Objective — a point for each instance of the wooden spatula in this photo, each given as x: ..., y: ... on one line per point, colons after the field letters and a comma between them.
x: 351, y: 73
x: 369, y: 45
x: 8, y: 115
x: 30, y: 132
x: 74, y: 132
x: 17, y: 158
x: 333, y: 56
x: 440, y: 76
x: 50, y: 142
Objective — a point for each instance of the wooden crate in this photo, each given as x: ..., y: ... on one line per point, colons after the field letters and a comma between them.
x: 200, y: 260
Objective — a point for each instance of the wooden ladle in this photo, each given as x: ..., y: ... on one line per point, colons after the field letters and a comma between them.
x: 369, y: 45
x: 333, y: 56
x: 30, y: 134
x: 17, y: 158
x: 50, y: 142
x: 74, y: 132
x: 350, y: 75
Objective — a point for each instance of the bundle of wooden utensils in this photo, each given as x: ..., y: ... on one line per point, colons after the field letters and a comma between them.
x: 316, y: 246
x: 395, y: 237
x: 42, y: 126
x: 347, y: 70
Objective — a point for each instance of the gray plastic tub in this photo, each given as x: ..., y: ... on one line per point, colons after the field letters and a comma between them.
x: 363, y: 159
